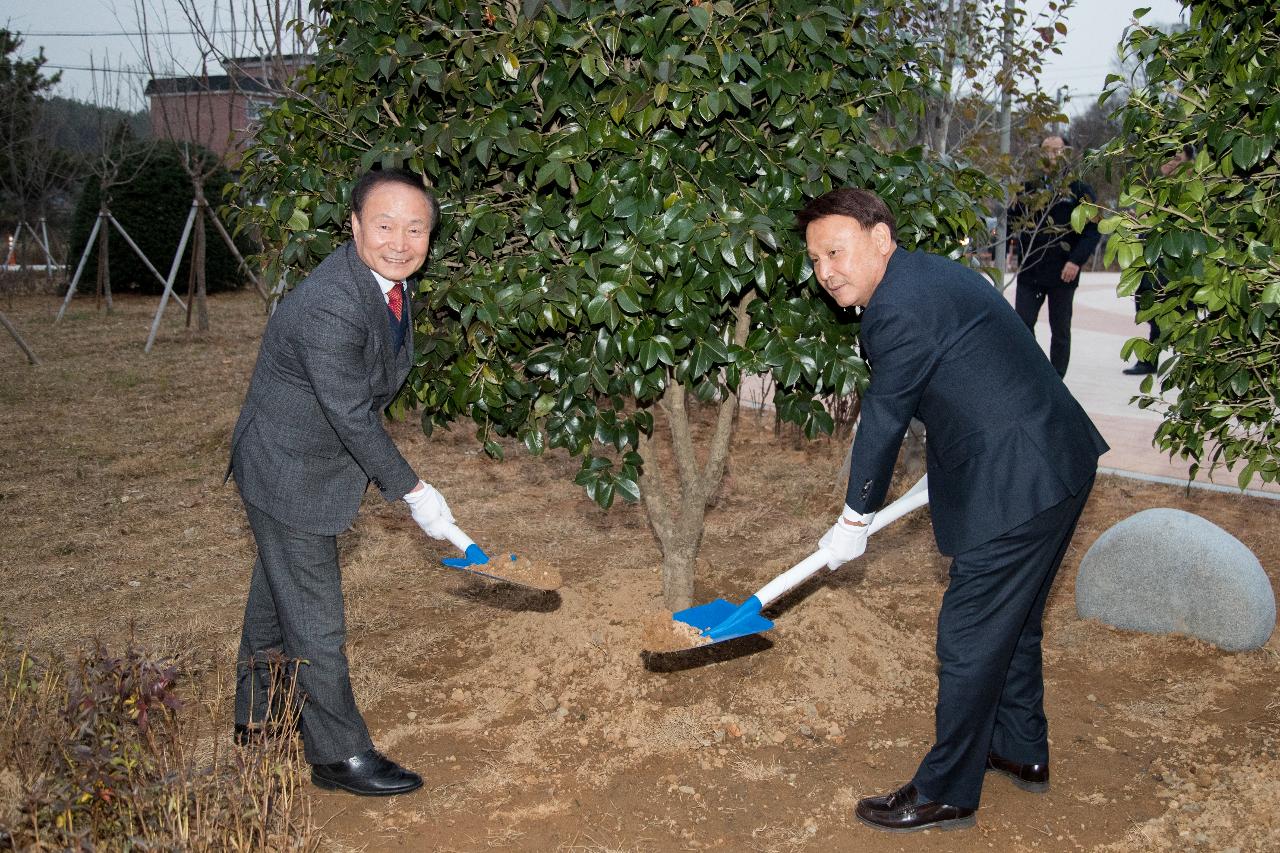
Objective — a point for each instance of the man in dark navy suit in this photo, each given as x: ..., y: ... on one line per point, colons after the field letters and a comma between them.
x: 1011, y: 460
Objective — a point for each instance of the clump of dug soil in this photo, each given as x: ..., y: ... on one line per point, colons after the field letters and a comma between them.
x: 524, y: 571
x: 660, y: 633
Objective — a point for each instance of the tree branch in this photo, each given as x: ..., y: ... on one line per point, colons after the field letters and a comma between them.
x: 681, y: 440
x: 718, y: 455
x: 655, y: 493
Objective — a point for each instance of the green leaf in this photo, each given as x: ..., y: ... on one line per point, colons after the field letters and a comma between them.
x: 1081, y: 215
x: 629, y: 490
x: 700, y: 15
x: 1246, y: 475
x: 535, y: 442
x: 627, y: 301
x: 544, y: 404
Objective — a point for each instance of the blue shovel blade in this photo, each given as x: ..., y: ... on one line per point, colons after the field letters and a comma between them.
x: 704, y: 616
x: 475, y: 556
x: 719, y: 620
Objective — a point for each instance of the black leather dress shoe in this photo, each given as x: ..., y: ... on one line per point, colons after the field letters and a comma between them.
x: 369, y: 774
x: 1142, y: 368
x: 904, y: 811
x: 1028, y: 777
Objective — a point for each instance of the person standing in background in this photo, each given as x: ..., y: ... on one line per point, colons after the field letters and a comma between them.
x: 1050, y: 252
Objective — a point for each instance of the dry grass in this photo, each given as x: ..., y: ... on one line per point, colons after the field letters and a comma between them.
x: 531, y: 716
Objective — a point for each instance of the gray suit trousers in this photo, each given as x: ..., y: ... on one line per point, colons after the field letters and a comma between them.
x: 295, y: 608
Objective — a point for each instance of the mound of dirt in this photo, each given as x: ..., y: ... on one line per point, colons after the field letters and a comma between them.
x: 660, y: 633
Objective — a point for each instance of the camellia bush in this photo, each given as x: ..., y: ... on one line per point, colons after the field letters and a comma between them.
x: 1211, y: 228
x: 619, y: 183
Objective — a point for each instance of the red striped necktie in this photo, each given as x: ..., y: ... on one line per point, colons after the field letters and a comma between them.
x: 395, y: 300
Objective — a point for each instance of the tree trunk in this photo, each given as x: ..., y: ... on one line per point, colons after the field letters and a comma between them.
x: 191, y: 280
x: 1001, y: 258
x: 48, y: 256
x: 679, y: 560
x: 198, y: 265
x: 677, y: 511
x: 104, y: 263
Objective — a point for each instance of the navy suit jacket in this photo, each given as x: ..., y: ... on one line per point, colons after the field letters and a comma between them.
x: 310, y: 437
x: 1006, y: 440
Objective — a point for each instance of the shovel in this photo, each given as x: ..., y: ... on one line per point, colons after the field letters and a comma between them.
x: 720, y: 620
x: 474, y: 556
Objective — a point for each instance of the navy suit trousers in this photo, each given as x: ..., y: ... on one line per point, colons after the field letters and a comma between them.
x: 990, y: 682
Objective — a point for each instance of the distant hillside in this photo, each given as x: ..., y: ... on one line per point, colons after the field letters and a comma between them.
x: 77, y: 127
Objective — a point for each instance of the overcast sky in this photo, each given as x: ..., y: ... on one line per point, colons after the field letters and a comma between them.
x: 104, y: 33
x: 1094, y: 30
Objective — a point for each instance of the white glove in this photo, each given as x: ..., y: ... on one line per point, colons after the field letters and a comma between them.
x: 429, y: 509
x: 847, y: 538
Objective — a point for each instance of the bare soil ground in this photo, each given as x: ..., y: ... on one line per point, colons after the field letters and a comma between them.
x: 533, y: 716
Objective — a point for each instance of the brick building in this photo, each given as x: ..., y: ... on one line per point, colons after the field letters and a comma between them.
x: 219, y: 111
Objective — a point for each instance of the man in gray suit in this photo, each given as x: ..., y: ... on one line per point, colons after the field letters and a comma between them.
x: 1011, y: 460
x: 308, y: 442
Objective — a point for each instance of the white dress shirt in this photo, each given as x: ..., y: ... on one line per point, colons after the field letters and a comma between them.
x: 386, y: 285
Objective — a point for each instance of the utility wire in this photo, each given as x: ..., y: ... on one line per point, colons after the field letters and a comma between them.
x: 97, y: 34
x: 137, y: 71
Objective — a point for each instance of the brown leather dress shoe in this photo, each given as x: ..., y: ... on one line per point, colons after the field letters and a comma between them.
x: 903, y: 811
x: 1028, y: 777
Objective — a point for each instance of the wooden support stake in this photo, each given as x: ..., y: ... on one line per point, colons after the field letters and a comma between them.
x: 244, y: 265
x: 141, y: 256
x: 173, y: 272
x: 84, y: 258
x: 31, y: 356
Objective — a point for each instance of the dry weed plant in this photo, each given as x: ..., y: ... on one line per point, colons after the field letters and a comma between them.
x: 592, y: 846
x: 504, y: 837
x: 109, y: 754
x: 757, y: 771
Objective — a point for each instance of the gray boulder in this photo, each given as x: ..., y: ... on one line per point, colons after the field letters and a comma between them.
x: 1167, y: 571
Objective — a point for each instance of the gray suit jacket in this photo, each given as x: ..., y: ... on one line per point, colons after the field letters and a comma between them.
x: 1006, y: 439
x: 310, y: 437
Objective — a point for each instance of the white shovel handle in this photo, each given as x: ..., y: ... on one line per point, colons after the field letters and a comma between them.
x: 916, y: 497
x: 793, y: 577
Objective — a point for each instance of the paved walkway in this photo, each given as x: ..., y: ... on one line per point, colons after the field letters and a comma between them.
x: 1101, y: 323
